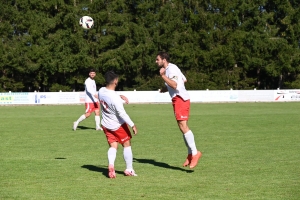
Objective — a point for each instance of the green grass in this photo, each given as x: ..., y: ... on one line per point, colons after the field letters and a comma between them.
x: 250, y: 151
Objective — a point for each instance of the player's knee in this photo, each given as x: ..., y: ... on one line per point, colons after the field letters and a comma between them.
x: 183, y: 127
x: 126, y: 144
x: 114, y: 145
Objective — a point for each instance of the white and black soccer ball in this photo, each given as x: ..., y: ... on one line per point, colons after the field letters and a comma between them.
x: 86, y: 22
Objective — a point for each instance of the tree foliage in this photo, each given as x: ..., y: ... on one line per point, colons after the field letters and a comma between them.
x: 217, y: 44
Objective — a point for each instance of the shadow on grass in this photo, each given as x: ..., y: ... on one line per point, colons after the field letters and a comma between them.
x: 161, y: 164
x: 84, y: 128
x: 102, y: 170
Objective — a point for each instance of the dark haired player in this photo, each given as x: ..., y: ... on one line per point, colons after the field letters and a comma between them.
x: 115, y: 122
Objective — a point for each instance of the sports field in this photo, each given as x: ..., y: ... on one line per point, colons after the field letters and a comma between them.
x: 250, y: 151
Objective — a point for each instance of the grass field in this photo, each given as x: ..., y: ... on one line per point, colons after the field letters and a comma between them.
x: 250, y: 151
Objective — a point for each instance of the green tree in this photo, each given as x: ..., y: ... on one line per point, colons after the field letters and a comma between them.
x: 217, y: 44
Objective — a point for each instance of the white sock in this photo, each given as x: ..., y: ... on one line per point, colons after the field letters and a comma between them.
x: 189, y: 137
x: 189, y: 149
x: 97, y: 120
x: 111, y: 154
x: 81, y: 118
x: 128, y: 157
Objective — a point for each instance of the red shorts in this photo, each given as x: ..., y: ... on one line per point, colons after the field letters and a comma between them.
x: 181, y: 108
x: 91, y: 107
x: 121, y: 135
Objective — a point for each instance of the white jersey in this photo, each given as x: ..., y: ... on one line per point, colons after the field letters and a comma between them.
x: 113, y: 113
x: 90, y: 91
x: 174, y: 73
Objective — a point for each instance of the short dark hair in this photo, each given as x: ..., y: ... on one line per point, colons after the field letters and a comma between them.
x: 164, y: 55
x: 92, y: 70
x: 110, y: 76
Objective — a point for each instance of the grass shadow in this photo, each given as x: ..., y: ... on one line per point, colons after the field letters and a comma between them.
x: 103, y: 170
x: 161, y: 164
x: 84, y: 128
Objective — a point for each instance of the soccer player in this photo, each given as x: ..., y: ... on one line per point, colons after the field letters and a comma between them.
x: 174, y: 81
x: 91, y: 101
x: 115, y: 122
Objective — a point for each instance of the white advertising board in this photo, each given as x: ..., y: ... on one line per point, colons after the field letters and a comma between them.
x: 256, y: 95
x: 56, y: 97
x: 15, y: 98
x: 214, y: 95
x: 287, y: 95
x: 30, y: 98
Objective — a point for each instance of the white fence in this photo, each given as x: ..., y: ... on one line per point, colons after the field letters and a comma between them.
x: 154, y: 96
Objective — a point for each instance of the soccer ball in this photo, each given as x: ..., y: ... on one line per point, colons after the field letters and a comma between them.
x: 86, y: 22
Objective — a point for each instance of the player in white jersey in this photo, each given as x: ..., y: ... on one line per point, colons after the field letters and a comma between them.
x: 174, y: 81
x: 115, y: 122
x: 91, y: 101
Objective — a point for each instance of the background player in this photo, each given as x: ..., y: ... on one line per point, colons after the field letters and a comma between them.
x: 115, y: 122
x: 91, y: 101
x: 174, y: 81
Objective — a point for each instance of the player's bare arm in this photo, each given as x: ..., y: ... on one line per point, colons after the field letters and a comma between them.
x: 135, y: 131
x: 124, y: 99
x: 169, y: 81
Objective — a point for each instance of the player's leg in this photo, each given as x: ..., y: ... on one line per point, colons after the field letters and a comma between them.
x: 97, y: 117
x: 188, y: 136
x: 189, y: 156
x: 181, y: 110
x: 124, y: 137
x: 111, y: 155
x: 128, y: 157
x: 184, y: 129
x: 83, y: 117
x: 112, y: 151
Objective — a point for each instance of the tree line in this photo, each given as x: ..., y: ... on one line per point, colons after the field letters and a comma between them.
x: 217, y: 44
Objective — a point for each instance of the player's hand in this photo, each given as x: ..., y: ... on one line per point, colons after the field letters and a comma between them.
x: 124, y: 98
x: 135, y: 131
x: 162, y: 71
x: 163, y: 89
x: 96, y: 96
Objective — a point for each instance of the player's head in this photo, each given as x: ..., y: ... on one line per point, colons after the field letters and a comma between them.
x: 111, y: 78
x: 92, y: 73
x: 162, y: 59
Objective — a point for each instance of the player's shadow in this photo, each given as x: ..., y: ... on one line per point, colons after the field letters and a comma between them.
x: 103, y: 170
x: 161, y: 164
x: 84, y: 128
